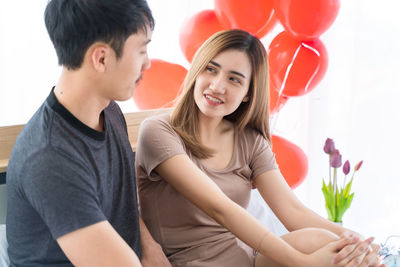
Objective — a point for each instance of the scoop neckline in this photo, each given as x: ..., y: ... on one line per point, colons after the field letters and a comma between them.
x: 232, y: 160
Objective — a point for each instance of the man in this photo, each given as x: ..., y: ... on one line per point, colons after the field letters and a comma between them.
x: 71, y: 179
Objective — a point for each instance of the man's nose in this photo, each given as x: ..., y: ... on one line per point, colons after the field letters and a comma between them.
x: 146, y: 64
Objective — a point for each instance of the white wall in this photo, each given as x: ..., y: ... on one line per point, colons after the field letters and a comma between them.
x: 28, y: 66
x: 356, y: 103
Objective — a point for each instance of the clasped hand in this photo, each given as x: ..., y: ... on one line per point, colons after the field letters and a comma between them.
x: 350, y: 250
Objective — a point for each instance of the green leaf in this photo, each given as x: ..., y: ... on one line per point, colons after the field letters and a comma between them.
x: 337, y: 198
x: 329, y: 201
x: 330, y: 186
x: 337, y: 203
x: 343, y: 203
x: 348, y: 188
x: 349, y: 200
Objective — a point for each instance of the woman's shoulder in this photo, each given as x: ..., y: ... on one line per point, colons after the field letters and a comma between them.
x: 157, y: 121
x: 162, y: 117
x: 253, y: 140
x: 158, y: 127
x: 251, y: 134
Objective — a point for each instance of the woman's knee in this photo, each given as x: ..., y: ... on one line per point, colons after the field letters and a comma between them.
x: 308, y: 240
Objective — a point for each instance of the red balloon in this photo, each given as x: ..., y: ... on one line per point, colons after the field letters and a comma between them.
x: 268, y: 26
x: 296, y: 67
x: 306, y: 20
x: 240, y: 14
x: 160, y: 85
x: 292, y: 161
x: 196, y: 30
x: 276, y: 101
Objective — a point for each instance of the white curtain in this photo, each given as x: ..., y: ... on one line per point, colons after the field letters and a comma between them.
x: 356, y: 104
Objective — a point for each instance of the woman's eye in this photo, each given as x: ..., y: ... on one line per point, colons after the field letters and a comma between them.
x: 233, y: 79
x: 210, y: 69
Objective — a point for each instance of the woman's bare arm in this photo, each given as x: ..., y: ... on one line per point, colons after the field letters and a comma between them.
x: 193, y: 184
x: 287, y: 207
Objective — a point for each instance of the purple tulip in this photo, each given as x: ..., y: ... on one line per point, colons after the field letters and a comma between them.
x: 358, y: 166
x: 335, y: 159
x: 329, y: 146
x: 346, y: 167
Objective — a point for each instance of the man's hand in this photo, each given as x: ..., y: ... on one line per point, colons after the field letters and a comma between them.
x: 152, y: 253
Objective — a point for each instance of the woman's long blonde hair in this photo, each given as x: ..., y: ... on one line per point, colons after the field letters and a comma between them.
x: 253, y: 113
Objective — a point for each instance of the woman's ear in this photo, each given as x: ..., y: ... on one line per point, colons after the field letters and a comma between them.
x: 245, y: 99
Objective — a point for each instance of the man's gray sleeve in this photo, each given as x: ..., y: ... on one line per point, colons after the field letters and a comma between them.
x: 58, y: 187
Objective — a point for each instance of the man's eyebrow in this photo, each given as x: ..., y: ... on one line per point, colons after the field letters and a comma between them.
x: 232, y: 71
x: 147, y: 41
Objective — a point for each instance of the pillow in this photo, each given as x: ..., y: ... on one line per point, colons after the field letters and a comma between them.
x: 4, y: 261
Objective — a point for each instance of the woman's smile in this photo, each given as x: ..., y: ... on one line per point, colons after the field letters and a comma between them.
x: 212, y: 100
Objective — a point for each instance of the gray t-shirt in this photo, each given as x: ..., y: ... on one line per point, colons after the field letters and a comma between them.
x: 62, y: 176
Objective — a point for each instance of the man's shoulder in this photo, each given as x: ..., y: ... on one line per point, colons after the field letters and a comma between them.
x: 41, y: 147
x: 113, y: 110
x: 33, y: 137
x: 114, y: 116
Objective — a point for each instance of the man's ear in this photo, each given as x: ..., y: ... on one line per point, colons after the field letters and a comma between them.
x: 100, y: 56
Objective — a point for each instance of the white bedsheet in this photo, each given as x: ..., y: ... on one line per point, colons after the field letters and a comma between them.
x: 259, y: 209
x: 4, y: 261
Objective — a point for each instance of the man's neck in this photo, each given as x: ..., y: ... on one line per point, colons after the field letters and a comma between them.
x: 78, y: 94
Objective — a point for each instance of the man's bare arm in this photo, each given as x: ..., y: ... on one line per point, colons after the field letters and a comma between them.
x: 97, y: 245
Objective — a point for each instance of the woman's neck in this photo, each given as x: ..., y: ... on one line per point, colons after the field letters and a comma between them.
x: 210, y: 129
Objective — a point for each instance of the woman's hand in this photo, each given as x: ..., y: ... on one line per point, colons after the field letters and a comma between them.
x: 348, y: 251
x: 363, y: 253
x: 324, y: 256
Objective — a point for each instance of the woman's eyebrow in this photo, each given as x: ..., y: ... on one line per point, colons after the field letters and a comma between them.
x: 215, y: 64
x: 232, y: 71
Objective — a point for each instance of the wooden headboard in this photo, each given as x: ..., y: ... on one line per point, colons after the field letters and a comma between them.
x: 8, y: 134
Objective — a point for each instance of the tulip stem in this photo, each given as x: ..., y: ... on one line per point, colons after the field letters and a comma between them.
x: 335, y: 190
x: 330, y: 176
x: 352, y: 176
x: 334, y: 181
x: 344, y: 182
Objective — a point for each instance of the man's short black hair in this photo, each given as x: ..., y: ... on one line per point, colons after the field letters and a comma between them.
x: 74, y: 25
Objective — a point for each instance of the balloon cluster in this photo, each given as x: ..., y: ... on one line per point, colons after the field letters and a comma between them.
x: 297, y: 58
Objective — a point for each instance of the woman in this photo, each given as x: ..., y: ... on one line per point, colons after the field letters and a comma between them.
x: 195, y: 170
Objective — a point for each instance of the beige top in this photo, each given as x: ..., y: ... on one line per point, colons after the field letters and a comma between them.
x: 187, y: 235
